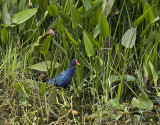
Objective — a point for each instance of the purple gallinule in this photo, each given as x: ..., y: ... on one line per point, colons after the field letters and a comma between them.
x: 64, y: 78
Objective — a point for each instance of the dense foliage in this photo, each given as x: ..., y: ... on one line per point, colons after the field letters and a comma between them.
x: 116, y: 43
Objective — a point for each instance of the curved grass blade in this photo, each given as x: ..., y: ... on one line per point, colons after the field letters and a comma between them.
x: 70, y: 37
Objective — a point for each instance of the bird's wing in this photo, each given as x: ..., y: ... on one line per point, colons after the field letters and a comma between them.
x: 58, y: 79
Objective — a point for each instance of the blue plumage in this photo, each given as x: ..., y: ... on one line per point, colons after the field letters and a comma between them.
x: 64, y: 78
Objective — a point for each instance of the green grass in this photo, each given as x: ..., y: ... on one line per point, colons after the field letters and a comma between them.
x: 112, y: 76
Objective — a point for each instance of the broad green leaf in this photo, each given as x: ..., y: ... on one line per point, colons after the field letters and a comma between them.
x: 45, y: 45
x: 89, y: 12
x: 88, y: 45
x: 43, y: 66
x: 129, y: 38
x: 70, y: 37
x: 23, y: 89
x: 101, y: 62
x: 115, y: 103
x: 5, y: 15
x: 116, y: 78
x: 86, y: 4
x: 113, y: 78
x: 155, y: 76
x: 64, y: 16
x: 96, y: 31
x: 60, y: 47
x: 53, y: 10
x: 103, y: 26
x: 4, y: 35
x: 23, y: 16
x: 93, y: 20
x: 149, y: 16
x: 139, y: 20
x: 96, y: 44
x: 142, y: 103
x: 67, y: 6
x: 81, y: 10
x: 130, y: 78
x: 75, y: 17
x: 42, y: 89
x: 107, y: 6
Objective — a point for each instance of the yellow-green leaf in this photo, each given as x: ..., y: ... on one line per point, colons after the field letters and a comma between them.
x: 149, y: 16
x: 70, y: 37
x: 23, y: 16
x: 43, y: 66
x: 53, y: 10
x: 88, y: 45
x: 45, y: 45
x: 129, y: 38
x: 4, y: 35
x: 155, y: 76
x: 5, y: 15
x: 139, y: 20
x: 142, y: 103
x: 75, y: 17
x: 103, y: 26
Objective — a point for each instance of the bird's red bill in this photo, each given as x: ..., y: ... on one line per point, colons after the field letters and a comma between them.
x: 77, y: 62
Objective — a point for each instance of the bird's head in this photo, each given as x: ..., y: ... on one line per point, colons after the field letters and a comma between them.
x: 74, y: 62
